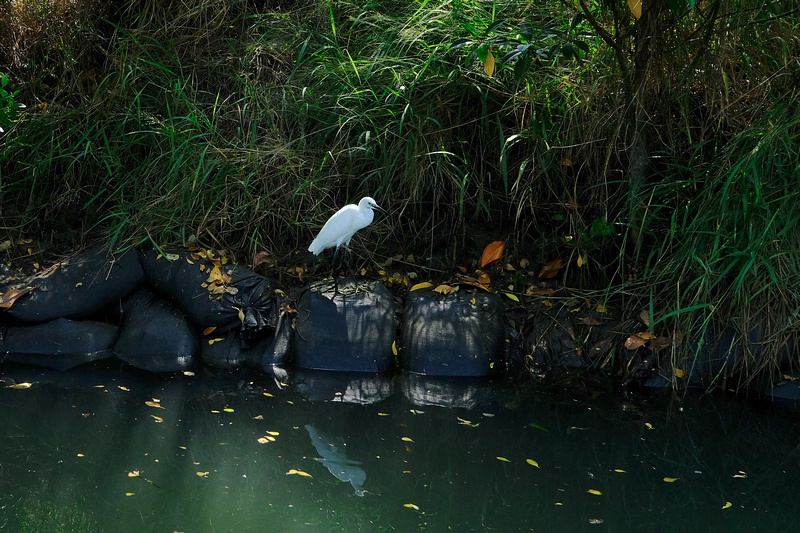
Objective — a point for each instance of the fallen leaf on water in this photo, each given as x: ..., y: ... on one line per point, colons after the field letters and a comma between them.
x: 595, y: 521
x: 492, y: 253
x: 649, y: 425
x: 157, y: 418
x: 298, y: 472
x: 268, y: 395
x: 129, y: 493
x: 154, y: 403
x: 123, y: 388
x: 532, y: 462
x: 80, y: 455
x: 228, y: 410
x: 202, y: 474
x: 727, y: 504
x: 503, y: 459
x: 383, y: 414
x: 273, y: 433
x: 25, y: 385
x: 134, y: 473
x: 671, y: 479
x: 411, y: 506
x: 595, y: 492
x: 416, y: 412
x: 407, y: 439
x: 619, y: 470
x: 741, y: 475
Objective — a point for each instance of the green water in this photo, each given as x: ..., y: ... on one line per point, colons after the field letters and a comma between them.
x: 84, y: 451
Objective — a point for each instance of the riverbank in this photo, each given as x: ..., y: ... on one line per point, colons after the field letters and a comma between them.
x: 661, y: 186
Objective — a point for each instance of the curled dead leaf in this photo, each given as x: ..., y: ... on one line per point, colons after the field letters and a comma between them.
x: 492, y: 253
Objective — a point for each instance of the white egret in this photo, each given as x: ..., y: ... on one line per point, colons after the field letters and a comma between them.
x: 341, y: 227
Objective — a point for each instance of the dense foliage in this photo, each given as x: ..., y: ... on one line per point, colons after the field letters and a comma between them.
x: 660, y: 152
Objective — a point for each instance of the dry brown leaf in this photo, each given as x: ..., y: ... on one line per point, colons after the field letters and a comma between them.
x: 551, y: 269
x: 591, y: 321
x: 209, y: 330
x: 634, y: 341
x: 644, y: 316
x: 492, y: 253
x: 261, y: 258
x: 445, y: 289
x: 8, y: 298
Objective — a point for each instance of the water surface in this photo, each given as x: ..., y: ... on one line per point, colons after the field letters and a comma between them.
x: 106, y: 448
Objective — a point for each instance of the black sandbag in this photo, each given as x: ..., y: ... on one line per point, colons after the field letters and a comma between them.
x: 351, y: 331
x: 247, y: 303
x: 78, y: 287
x: 60, y: 344
x: 155, y: 336
x: 458, y: 334
x: 229, y: 351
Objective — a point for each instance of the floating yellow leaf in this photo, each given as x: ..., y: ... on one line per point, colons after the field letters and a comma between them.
x: 532, y: 462
x: 649, y: 425
x: 423, y: 285
x: 202, y: 474
x: 81, y: 455
x: 228, y: 410
x: 129, y: 493
x: 727, y: 504
x: 268, y: 395
x: 154, y: 404
x: 123, y: 388
x: 411, y: 506
x: 494, y: 251
x: 407, y: 439
x: 619, y: 470
x: 383, y: 414
x: 741, y: 475
x: 416, y: 412
x: 298, y: 472
x: 25, y: 385
x: 263, y: 440
x: 134, y: 473
x: 671, y: 479
x: 489, y: 65
x: 503, y: 459
x: 157, y: 418
x: 394, y: 347
x: 595, y: 492
x: 273, y: 433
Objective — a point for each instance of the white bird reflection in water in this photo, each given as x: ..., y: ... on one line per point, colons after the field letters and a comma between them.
x: 336, y: 460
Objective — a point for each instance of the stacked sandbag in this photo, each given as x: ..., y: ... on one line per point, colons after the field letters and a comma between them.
x: 156, y: 336
x: 230, y: 351
x: 349, y: 327
x: 78, y: 287
x: 225, y: 297
x: 457, y: 334
x: 60, y: 344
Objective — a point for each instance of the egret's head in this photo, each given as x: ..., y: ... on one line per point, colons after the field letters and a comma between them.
x: 368, y: 203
